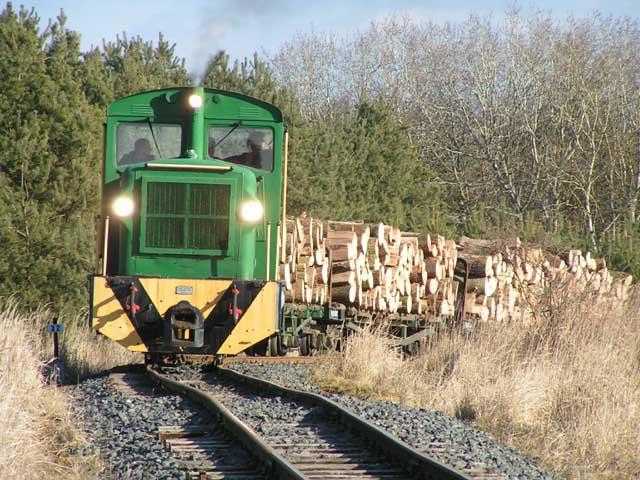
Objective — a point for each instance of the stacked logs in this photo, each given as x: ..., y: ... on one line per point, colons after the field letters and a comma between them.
x: 507, y: 279
x: 374, y: 267
x: 382, y: 269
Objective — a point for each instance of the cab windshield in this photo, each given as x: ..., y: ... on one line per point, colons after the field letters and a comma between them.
x: 249, y: 146
x: 141, y: 142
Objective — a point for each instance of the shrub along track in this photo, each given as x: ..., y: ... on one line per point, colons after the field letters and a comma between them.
x: 297, y: 434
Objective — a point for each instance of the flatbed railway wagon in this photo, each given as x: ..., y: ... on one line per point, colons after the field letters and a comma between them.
x: 192, y: 225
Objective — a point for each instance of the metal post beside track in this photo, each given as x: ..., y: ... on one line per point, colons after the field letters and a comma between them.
x: 53, y: 368
x: 55, y: 329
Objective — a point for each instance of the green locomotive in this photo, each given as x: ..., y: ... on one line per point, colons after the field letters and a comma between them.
x: 192, y: 203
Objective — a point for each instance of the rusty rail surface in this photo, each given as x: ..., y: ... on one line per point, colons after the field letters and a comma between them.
x: 287, y: 359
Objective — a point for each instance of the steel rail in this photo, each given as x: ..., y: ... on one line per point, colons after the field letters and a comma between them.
x: 276, y: 466
x: 420, y: 465
x: 286, y: 359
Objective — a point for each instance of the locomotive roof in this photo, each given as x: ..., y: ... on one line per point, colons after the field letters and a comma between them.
x: 218, y: 104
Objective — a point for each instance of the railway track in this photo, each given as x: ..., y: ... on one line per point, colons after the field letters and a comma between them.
x: 205, y: 451
x: 300, y: 435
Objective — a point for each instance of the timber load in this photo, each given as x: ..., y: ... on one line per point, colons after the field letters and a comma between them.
x: 508, y: 279
x: 379, y: 268
x: 373, y: 267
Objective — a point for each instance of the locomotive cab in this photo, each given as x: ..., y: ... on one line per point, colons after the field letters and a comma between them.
x: 191, y: 210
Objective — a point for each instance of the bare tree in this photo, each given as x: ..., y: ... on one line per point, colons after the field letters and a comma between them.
x: 526, y: 115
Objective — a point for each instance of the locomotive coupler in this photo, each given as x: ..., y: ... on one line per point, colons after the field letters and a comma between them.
x: 184, y: 326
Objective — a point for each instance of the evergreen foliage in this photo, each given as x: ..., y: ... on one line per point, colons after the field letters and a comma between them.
x: 126, y: 66
x: 48, y: 158
x: 253, y: 78
x: 362, y: 165
x: 134, y: 65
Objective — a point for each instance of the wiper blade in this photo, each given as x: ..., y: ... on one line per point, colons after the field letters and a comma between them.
x: 233, y: 127
x: 153, y: 135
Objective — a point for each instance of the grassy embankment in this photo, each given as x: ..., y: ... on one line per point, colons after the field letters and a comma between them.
x: 39, y: 437
x: 564, y: 390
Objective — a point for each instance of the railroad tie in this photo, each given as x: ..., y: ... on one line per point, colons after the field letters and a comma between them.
x: 206, y: 453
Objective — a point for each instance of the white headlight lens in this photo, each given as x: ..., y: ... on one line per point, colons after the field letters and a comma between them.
x: 251, y: 211
x: 195, y: 101
x: 123, y: 206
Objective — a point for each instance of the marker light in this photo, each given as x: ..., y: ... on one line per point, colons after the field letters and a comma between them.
x: 251, y: 211
x: 123, y: 206
x: 195, y: 101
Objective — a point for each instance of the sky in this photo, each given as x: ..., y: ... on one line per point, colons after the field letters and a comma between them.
x: 200, y: 27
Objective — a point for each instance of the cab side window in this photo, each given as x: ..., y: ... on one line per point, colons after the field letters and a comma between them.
x: 248, y: 146
x: 136, y: 143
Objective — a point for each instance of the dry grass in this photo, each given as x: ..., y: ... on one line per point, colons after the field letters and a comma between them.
x: 37, y: 432
x: 565, y: 390
x: 39, y: 437
x: 86, y: 353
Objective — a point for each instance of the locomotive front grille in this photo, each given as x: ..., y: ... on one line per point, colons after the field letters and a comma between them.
x: 184, y: 216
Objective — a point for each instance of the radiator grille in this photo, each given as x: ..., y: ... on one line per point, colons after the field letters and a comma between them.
x: 187, y: 216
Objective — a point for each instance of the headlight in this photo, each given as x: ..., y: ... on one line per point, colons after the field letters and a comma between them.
x: 123, y: 206
x: 251, y: 211
x: 195, y: 101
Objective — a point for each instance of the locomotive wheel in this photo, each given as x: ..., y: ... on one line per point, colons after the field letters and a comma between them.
x: 305, y: 345
x: 276, y: 346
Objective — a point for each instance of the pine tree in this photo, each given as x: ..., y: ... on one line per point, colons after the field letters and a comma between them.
x: 48, y: 163
x: 253, y: 78
x: 129, y: 65
x: 362, y: 165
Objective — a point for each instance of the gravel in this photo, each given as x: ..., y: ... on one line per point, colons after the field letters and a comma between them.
x: 463, y: 446
x: 123, y: 429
